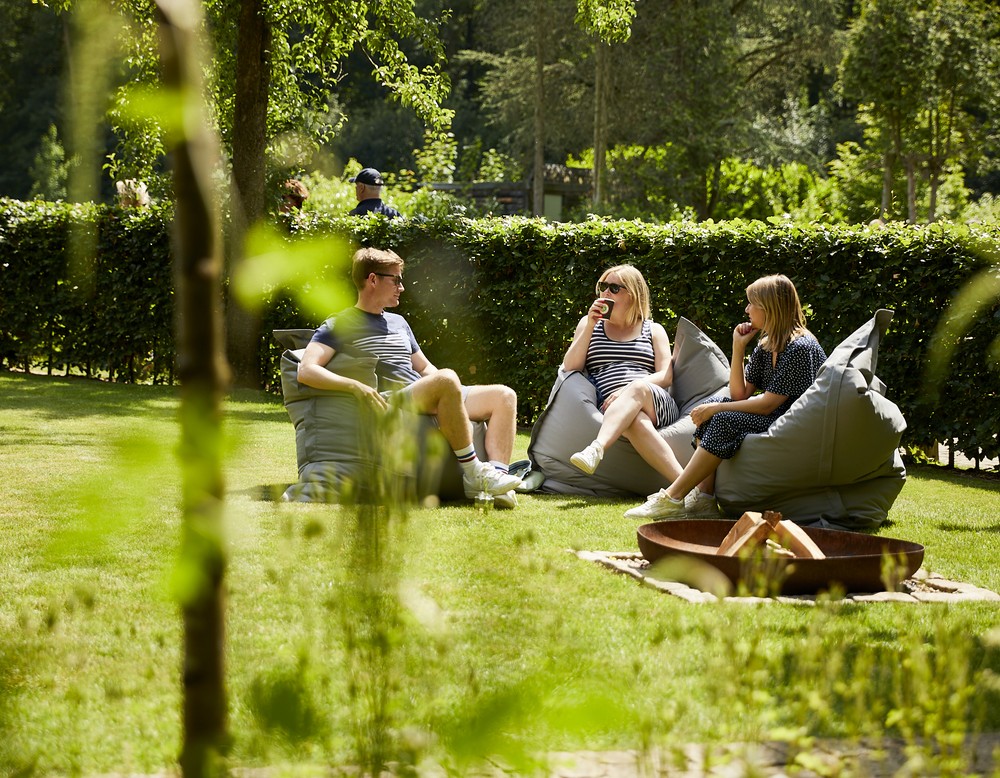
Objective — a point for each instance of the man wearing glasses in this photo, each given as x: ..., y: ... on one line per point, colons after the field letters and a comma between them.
x: 368, y: 330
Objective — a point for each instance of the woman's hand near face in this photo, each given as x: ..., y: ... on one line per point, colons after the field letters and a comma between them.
x: 743, y: 334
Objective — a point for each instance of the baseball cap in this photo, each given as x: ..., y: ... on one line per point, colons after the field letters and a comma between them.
x: 368, y: 176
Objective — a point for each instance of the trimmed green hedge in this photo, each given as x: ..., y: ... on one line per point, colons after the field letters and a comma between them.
x: 498, y: 299
x: 111, y: 316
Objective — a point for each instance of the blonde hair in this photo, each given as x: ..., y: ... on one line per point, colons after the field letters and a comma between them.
x: 635, y: 284
x: 371, y: 260
x: 784, y: 320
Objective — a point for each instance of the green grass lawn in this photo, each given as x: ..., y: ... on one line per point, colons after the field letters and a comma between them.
x: 499, y: 642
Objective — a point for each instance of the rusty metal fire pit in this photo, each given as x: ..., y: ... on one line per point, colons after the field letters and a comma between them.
x: 854, y: 561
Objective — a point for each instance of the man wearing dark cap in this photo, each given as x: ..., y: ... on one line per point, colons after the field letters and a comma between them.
x: 368, y: 188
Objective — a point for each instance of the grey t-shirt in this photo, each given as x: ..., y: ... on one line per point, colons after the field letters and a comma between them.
x: 386, y: 336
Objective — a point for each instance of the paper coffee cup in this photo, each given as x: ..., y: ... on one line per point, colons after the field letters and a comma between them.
x: 605, y: 307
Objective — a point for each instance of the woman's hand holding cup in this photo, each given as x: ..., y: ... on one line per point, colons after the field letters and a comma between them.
x: 601, y: 309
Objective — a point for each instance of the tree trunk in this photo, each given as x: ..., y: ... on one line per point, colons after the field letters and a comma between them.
x: 887, y: 164
x: 938, y: 151
x: 708, y: 196
x: 253, y: 80
x: 911, y: 189
x: 600, y: 121
x: 700, y: 196
x: 203, y: 376
x: 934, y: 181
x: 538, y: 164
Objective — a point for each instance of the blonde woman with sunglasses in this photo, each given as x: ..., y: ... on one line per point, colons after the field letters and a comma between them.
x: 627, y: 357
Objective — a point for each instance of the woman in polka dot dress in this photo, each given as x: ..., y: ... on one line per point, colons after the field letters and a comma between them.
x: 782, y: 366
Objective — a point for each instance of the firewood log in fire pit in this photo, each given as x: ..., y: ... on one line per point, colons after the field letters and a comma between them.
x: 765, y: 530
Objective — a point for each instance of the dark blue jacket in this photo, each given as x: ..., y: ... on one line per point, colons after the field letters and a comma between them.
x: 374, y: 205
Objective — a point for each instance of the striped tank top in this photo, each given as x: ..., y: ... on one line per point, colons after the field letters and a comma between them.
x: 613, y: 364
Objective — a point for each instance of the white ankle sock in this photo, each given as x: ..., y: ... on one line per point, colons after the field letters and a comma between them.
x: 467, y: 459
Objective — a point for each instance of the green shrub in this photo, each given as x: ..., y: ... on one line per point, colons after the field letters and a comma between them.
x: 498, y: 299
x: 111, y: 316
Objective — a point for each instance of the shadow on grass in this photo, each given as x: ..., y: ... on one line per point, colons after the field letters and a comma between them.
x: 62, y: 397
x: 262, y: 492
x: 953, y: 527
x: 78, y: 397
x: 986, y: 479
x: 12, y: 437
x: 235, y: 413
x: 274, y: 492
x: 572, y: 502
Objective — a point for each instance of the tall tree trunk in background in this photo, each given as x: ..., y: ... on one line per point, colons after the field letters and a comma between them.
x: 707, y: 195
x: 935, y: 183
x: 202, y: 370
x: 887, y: 165
x: 601, y: 74
x: 253, y: 80
x: 538, y: 164
x: 911, y: 189
x: 713, y: 189
x: 699, y: 196
x: 938, y: 153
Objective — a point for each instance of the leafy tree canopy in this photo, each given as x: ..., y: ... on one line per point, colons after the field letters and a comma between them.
x: 310, y: 41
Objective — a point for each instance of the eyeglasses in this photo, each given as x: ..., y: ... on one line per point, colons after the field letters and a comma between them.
x: 604, y: 286
x: 397, y: 280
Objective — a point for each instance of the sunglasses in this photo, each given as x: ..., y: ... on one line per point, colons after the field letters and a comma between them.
x: 604, y: 286
x: 397, y: 280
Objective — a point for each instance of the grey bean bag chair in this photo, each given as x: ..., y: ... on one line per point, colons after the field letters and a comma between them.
x: 571, y: 420
x: 832, y: 460
x: 349, y: 454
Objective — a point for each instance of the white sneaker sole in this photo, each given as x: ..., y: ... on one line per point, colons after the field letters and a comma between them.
x: 642, y: 512
x: 501, y: 486
x: 702, y: 509
x: 505, y: 502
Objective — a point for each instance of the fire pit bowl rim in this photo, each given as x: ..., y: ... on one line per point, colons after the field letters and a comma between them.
x: 854, y: 559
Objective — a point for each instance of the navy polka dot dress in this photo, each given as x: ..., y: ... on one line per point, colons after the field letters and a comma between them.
x: 794, y: 372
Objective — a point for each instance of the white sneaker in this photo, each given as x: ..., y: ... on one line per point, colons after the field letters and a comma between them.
x: 505, y: 501
x: 699, y: 505
x: 588, y: 459
x: 658, y: 506
x: 488, y: 478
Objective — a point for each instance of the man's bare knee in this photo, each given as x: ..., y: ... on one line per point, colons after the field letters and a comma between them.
x: 486, y: 402
x: 507, y: 396
x: 444, y: 380
x: 431, y: 390
x: 449, y: 375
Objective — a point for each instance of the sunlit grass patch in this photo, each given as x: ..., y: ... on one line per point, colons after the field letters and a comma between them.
x: 487, y: 638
